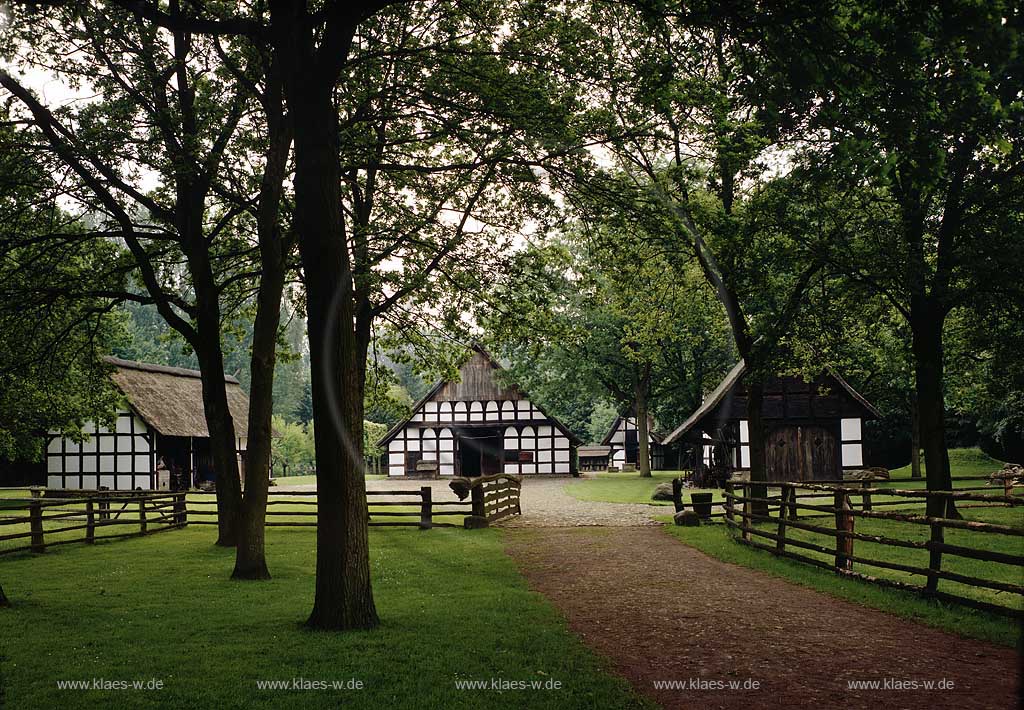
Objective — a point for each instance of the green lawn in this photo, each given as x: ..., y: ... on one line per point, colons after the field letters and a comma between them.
x: 715, y: 541
x: 629, y: 488
x: 453, y: 607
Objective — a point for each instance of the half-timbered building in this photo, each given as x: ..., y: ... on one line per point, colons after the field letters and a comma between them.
x: 160, y: 429
x: 623, y: 440
x: 476, y: 426
x: 813, y: 430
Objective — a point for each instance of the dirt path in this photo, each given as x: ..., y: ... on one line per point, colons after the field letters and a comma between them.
x: 663, y: 611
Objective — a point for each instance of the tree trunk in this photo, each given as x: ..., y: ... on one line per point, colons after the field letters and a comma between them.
x: 3, y: 598
x: 915, y: 438
x: 643, y: 429
x: 926, y: 321
x: 344, y: 597
x: 223, y: 447
x: 250, y: 556
x: 755, y: 429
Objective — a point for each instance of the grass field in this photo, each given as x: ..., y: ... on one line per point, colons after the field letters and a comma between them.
x: 715, y: 541
x: 453, y: 608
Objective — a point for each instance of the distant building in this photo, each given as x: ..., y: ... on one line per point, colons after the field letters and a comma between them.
x: 478, y: 426
x: 162, y: 420
x: 593, y: 458
x: 623, y: 438
x: 813, y: 430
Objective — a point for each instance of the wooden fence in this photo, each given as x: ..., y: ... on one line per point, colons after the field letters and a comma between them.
x: 48, y: 518
x: 402, y: 508
x: 776, y: 517
x: 35, y: 524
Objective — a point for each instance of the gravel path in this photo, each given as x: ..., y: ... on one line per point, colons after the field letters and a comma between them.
x: 663, y: 611
x: 544, y: 501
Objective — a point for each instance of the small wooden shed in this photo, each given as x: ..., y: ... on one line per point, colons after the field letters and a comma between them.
x: 162, y: 419
x: 813, y: 430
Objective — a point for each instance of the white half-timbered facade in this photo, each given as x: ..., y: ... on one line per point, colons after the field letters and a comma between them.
x: 478, y: 426
x: 623, y: 439
x: 161, y: 430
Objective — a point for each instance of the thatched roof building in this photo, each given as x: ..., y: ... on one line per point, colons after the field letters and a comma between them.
x: 160, y: 439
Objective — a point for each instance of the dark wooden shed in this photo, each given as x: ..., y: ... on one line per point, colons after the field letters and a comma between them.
x: 813, y: 429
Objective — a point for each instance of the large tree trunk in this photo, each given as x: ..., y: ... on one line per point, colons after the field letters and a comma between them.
x: 926, y: 321
x: 755, y: 429
x: 915, y: 438
x: 250, y: 556
x: 643, y: 429
x: 223, y: 446
x: 344, y: 597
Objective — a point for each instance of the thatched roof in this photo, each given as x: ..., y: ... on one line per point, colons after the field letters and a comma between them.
x: 170, y: 399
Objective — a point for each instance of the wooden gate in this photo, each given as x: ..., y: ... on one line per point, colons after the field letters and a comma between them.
x: 802, y: 452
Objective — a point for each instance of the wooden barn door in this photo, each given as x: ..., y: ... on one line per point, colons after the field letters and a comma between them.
x: 802, y: 452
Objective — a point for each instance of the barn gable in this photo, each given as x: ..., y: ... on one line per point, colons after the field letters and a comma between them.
x: 478, y: 425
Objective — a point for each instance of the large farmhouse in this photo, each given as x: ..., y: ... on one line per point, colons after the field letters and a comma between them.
x: 813, y: 430
x: 478, y: 426
x: 161, y: 425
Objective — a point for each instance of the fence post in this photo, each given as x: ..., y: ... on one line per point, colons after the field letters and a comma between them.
x: 35, y: 517
x: 90, y: 522
x: 677, y: 493
x: 478, y: 517
x: 787, y: 493
x: 1008, y: 490
x: 865, y: 497
x: 180, y: 510
x: 934, y: 558
x: 426, y: 508
x: 844, y: 523
x: 728, y: 500
x: 746, y: 523
x: 142, y: 515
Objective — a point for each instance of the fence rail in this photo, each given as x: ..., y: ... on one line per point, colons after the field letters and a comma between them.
x: 35, y: 524
x: 758, y: 517
x: 49, y: 518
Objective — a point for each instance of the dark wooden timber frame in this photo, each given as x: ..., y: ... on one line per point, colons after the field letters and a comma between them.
x: 66, y: 468
x: 813, y: 430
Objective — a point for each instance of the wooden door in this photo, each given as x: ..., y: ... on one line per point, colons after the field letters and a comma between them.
x: 801, y: 452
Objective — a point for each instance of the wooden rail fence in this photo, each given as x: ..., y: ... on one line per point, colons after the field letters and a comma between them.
x: 395, y: 508
x: 834, y: 515
x: 48, y: 518
x: 35, y: 524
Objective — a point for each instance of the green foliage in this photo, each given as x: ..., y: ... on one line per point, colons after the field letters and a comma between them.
x: 52, y: 332
x: 293, y: 449
x: 605, y: 315
x: 601, y: 418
